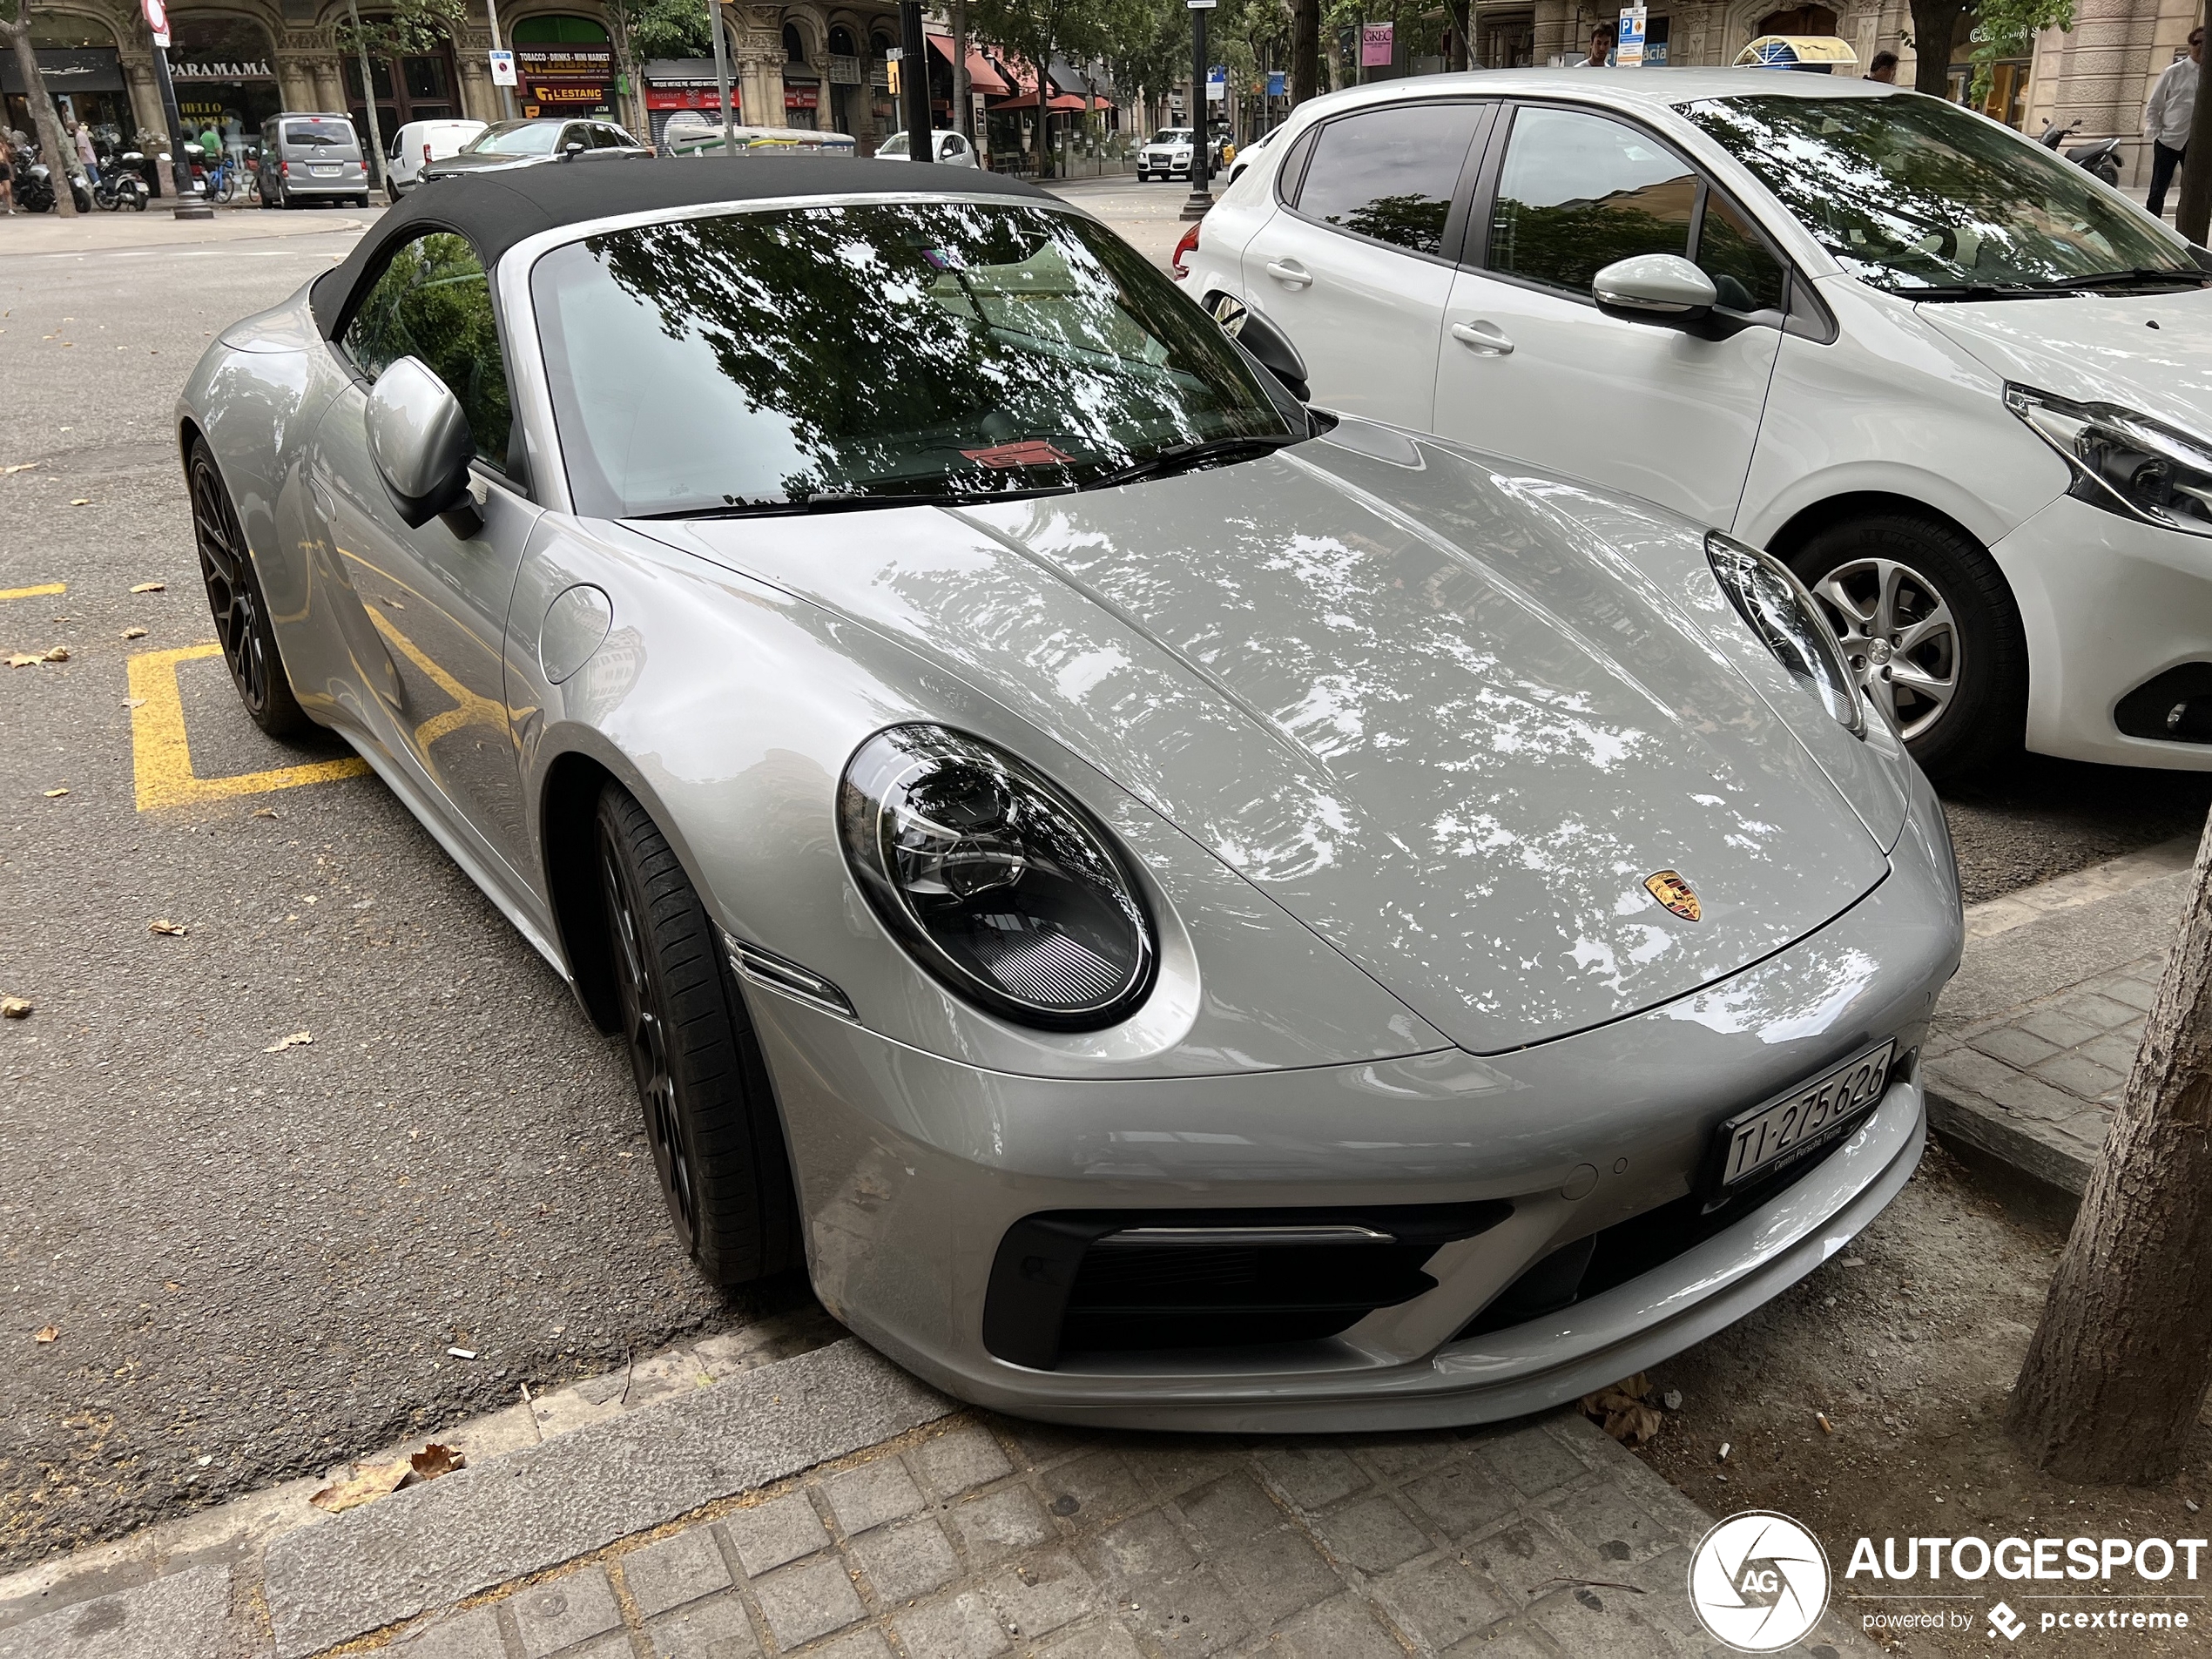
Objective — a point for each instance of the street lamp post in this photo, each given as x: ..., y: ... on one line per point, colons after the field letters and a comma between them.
x: 721, y: 75
x: 1202, y: 118
x: 914, y: 81
x: 189, y: 204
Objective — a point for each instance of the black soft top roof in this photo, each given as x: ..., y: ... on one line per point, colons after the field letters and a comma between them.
x: 496, y: 210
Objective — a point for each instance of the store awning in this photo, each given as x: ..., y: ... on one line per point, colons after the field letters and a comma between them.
x: 1061, y: 101
x: 982, y: 75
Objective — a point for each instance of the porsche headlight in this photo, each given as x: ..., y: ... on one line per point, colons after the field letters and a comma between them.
x: 1002, y: 886
x: 1776, y: 606
x: 2124, y: 461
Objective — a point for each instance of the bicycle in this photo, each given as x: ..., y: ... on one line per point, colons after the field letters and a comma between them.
x: 231, y: 179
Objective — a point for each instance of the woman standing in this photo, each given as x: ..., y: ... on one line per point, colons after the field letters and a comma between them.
x: 8, y: 170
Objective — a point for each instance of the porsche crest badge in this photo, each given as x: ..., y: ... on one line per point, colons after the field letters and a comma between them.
x: 1670, y: 890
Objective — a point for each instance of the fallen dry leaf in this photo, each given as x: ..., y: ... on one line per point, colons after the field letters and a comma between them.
x: 14, y: 1007
x: 59, y: 654
x: 151, y: 587
x: 1621, y: 1411
x: 134, y: 702
x: 163, y: 925
x: 46, y: 1333
x: 297, y: 1040
x: 435, y: 1459
x: 21, y: 466
x: 262, y: 811
x: 365, y: 1486
x: 56, y: 794
x: 25, y: 660
x: 80, y: 501
x: 134, y: 633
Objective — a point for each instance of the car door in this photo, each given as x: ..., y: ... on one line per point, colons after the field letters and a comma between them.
x: 425, y: 610
x: 1353, y: 264
x: 1529, y: 369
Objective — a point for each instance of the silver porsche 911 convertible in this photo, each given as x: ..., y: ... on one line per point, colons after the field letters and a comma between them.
x: 1178, y: 909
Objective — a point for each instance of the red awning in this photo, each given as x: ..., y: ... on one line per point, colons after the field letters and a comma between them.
x: 982, y: 76
x: 1061, y: 101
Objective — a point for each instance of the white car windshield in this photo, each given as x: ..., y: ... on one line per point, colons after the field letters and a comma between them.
x: 1925, y: 199
x: 825, y: 358
x: 1172, y: 135
x: 516, y: 138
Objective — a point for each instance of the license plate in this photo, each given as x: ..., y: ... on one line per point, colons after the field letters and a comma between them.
x: 326, y: 172
x: 1755, y: 1141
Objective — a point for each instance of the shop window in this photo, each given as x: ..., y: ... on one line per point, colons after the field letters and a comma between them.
x: 1800, y: 20
x: 795, y: 44
x: 557, y: 30
x: 841, y: 42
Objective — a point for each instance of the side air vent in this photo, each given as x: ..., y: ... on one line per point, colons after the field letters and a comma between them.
x: 1121, y: 1281
x: 2176, y: 707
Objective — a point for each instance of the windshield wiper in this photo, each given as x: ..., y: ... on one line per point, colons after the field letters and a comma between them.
x: 1949, y: 291
x: 2128, y: 278
x: 844, y: 504
x: 1181, y: 457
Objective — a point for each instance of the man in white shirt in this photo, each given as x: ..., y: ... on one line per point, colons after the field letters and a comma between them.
x: 1601, y: 38
x: 2167, y: 118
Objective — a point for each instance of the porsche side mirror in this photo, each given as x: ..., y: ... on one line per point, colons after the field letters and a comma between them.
x: 1654, y: 287
x: 1269, y: 346
x: 419, y: 438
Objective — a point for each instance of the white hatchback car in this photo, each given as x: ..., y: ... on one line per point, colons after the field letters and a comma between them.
x: 1965, y: 390
x: 418, y: 144
x: 952, y: 149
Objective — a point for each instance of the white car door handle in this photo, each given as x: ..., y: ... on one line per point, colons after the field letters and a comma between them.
x: 1289, y: 272
x: 1485, y: 337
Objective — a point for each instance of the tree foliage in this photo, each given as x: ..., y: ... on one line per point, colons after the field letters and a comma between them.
x: 408, y: 29
x: 2007, y: 29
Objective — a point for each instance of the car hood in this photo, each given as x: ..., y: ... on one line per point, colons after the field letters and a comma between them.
x: 2151, y: 352
x: 1436, y: 712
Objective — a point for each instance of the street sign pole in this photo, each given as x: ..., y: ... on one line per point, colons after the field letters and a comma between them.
x: 914, y: 81
x: 1201, y: 198
x: 188, y: 205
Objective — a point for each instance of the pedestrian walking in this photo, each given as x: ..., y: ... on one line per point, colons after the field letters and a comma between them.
x: 86, y: 155
x: 1601, y: 40
x: 7, y: 172
x: 2165, y: 120
x: 1883, y: 68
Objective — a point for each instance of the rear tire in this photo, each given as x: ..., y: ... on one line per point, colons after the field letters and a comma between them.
x: 709, y: 1107
x: 1927, y: 620
x: 235, y: 599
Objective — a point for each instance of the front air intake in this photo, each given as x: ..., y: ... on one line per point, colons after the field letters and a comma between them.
x: 1119, y: 1281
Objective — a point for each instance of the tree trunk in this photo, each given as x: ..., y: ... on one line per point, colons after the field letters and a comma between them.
x: 2118, y: 1367
x: 1935, y: 26
x: 2193, y: 216
x: 1462, y: 53
x: 60, y: 160
x: 1305, y: 49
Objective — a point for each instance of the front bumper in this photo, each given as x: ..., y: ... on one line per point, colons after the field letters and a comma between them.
x: 912, y: 1168
x: 2106, y: 603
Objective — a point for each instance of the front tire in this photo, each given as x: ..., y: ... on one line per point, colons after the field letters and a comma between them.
x: 1928, y: 623
x: 709, y: 1107
x: 235, y: 596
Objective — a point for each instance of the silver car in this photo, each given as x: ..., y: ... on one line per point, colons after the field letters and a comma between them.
x: 1178, y: 909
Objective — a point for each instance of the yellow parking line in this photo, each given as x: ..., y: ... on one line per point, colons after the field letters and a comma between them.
x: 162, y: 753
x: 40, y: 591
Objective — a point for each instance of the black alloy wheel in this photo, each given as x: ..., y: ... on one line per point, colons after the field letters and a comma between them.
x: 235, y: 598
x: 1930, y: 630
x: 709, y: 1107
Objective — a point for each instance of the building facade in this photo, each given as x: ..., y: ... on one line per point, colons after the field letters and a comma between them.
x: 2098, y: 73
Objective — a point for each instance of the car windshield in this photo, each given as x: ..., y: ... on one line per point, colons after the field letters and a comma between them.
x: 339, y: 134
x: 1921, y: 197
x: 893, y: 145
x: 1172, y: 135
x: 828, y: 357
x: 515, y: 139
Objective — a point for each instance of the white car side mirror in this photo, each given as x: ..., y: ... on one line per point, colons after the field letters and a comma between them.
x: 1654, y: 287
x: 419, y: 438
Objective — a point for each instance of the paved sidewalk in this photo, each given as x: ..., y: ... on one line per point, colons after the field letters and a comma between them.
x: 157, y: 227
x: 2033, y: 1040
x: 829, y: 1504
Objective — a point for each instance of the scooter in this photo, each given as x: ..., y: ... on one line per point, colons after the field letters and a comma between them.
x: 35, y: 184
x: 121, y: 185
x: 2101, y: 159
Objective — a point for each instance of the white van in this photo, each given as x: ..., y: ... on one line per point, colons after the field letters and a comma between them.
x: 418, y: 143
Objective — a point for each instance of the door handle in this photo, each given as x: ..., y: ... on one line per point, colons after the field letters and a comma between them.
x: 1289, y: 272
x: 1485, y: 337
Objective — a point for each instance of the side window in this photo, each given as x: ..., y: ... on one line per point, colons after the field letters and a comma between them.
x: 432, y: 301
x: 1578, y: 192
x: 1744, y: 269
x: 1291, y: 174
x: 606, y: 137
x: 1390, y: 173
x: 575, y: 133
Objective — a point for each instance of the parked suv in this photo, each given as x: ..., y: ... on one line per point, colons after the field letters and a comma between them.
x: 1958, y: 385
x: 308, y: 156
x: 416, y: 145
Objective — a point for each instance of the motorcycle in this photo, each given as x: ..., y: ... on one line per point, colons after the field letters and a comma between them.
x: 35, y: 184
x: 2101, y: 159
x: 121, y: 185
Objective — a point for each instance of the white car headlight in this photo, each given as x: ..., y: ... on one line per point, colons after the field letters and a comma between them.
x: 1778, y: 608
x: 1000, y: 885
x: 2124, y: 461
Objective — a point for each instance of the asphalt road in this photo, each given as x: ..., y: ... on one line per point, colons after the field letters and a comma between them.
x: 254, y: 1262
